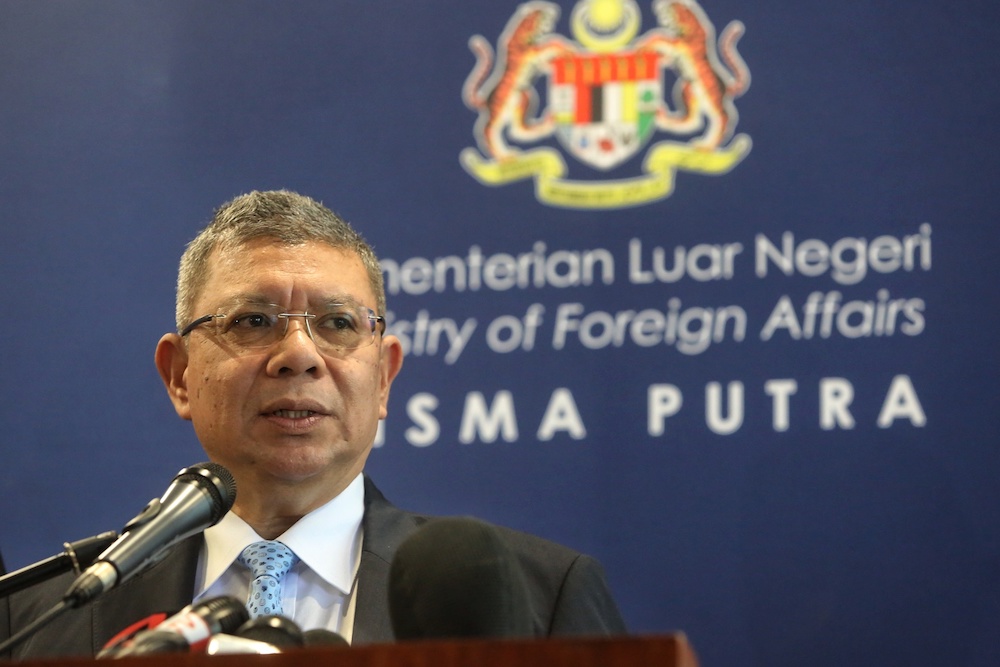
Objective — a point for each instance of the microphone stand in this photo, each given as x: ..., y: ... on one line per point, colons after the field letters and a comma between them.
x: 76, y: 556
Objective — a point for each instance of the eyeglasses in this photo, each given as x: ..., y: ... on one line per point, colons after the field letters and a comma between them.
x: 339, y: 328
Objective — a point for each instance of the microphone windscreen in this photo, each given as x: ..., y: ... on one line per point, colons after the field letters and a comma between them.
x: 455, y: 577
x: 217, y: 481
x: 272, y: 629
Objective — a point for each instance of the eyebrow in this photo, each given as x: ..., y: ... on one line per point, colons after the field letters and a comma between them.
x: 342, y: 300
x: 238, y: 300
x: 258, y: 299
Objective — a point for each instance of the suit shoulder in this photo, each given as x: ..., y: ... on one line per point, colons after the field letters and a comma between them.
x: 533, y: 548
x: 569, y: 592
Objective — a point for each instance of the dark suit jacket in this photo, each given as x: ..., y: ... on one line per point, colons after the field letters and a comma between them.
x: 568, y: 591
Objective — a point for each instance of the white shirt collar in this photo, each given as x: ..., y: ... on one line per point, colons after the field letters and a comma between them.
x: 324, y: 540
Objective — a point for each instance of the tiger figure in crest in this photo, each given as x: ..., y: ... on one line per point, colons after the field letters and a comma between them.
x: 705, y: 88
x: 506, y: 100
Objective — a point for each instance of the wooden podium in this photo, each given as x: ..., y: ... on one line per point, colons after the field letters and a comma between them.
x: 649, y: 651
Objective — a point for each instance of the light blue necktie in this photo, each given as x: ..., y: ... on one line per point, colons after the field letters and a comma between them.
x: 268, y: 562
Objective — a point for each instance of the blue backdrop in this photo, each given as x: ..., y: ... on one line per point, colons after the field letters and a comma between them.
x: 719, y: 308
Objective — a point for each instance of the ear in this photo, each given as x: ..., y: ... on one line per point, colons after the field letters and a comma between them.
x: 172, y: 363
x: 390, y: 361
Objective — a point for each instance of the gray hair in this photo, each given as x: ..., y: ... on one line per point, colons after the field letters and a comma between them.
x: 287, y: 217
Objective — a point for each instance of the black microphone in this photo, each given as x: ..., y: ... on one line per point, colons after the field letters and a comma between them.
x: 190, y: 629
x: 271, y: 634
x: 198, y: 497
x: 273, y: 629
x: 262, y: 635
x: 456, y: 578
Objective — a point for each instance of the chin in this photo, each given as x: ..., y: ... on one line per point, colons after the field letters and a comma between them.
x: 304, y: 464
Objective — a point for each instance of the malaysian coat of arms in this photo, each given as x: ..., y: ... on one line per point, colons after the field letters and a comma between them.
x: 605, y: 101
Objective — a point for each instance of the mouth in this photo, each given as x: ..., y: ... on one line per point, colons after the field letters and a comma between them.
x: 293, y: 414
x: 295, y: 419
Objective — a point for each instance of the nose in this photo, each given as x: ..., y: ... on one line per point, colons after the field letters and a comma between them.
x: 295, y: 352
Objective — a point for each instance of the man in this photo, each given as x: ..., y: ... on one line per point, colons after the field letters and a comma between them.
x: 281, y: 364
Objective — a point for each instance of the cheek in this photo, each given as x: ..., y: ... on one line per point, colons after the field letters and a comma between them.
x: 359, y: 387
x: 213, y: 394
x: 216, y: 411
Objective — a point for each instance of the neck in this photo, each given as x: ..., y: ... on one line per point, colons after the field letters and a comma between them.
x: 273, y: 509
x: 268, y: 525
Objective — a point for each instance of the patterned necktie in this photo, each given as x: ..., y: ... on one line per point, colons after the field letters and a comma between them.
x: 268, y: 562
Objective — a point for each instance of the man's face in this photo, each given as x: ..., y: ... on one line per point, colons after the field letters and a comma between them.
x: 288, y: 413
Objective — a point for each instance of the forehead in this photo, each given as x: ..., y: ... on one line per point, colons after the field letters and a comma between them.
x: 310, y: 272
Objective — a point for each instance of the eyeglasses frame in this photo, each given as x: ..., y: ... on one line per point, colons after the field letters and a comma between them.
x: 378, y: 325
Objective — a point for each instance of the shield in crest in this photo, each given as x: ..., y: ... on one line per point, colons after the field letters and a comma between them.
x: 605, y: 104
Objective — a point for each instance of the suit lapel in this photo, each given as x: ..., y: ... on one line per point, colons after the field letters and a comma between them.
x: 385, y: 527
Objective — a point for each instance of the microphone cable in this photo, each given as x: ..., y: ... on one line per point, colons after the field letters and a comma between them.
x: 21, y: 635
